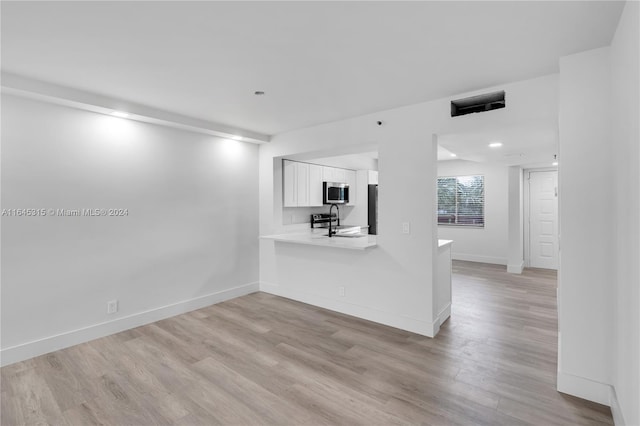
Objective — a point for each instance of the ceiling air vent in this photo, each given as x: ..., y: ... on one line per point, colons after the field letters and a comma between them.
x: 480, y: 103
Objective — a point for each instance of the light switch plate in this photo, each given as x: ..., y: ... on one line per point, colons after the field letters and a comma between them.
x: 406, y: 228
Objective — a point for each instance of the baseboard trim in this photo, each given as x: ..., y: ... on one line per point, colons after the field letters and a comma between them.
x: 479, y: 258
x: 584, y: 388
x: 443, y: 315
x: 371, y: 314
x: 515, y: 269
x: 35, y: 348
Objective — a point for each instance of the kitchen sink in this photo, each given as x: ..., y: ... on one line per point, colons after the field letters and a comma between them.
x: 350, y: 235
x: 345, y: 231
x: 349, y: 232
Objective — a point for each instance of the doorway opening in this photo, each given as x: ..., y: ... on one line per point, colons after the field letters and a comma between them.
x: 484, y: 195
x: 303, y: 183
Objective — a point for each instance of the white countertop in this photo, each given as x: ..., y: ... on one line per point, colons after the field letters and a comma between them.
x: 442, y: 243
x: 319, y: 238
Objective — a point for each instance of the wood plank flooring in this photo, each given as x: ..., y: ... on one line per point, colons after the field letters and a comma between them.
x: 261, y: 359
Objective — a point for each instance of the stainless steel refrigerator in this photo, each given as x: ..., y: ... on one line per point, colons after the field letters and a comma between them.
x: 373, y: 209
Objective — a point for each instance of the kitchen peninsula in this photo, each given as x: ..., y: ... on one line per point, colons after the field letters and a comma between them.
x: 393, y: 273
x: 319, y: 238
x: 333, y: 273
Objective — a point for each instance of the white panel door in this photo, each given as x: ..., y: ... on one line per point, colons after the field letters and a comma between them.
x: 315, y: 185
x: 543, y: 219
x: 302, y: 174
x: 289, y: 184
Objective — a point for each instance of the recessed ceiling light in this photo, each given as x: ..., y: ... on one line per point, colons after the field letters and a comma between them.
x: 236, y: 137
x: 120, y: 114
x: 495, y: 144
x: 555, y: 163
x: 258, y: 93
x: 453, y: 155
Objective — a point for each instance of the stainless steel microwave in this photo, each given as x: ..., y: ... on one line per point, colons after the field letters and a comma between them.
x: 335, y: 193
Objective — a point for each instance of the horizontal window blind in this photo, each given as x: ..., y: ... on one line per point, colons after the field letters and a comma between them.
x: 461, y: 200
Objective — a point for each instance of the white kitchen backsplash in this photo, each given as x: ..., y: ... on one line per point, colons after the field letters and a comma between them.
x: 300, y: 215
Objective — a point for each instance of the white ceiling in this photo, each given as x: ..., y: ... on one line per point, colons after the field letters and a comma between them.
x: 359, y: 161
x: 444, y: 154
x: 530, y: 145
x: 316, y: 61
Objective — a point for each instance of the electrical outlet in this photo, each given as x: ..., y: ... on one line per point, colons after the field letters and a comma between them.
x: 341, y: 291
x: 406, y: 228
x: 112, y: 307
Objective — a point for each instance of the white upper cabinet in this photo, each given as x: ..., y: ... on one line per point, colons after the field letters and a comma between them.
x: 295, y: 184
x: 289, y: 183
x: 350, y: 179
x: 334, y: 174
x: 302, y: 178
x: 315, y: 185
x: 302, y: 183
x: 327, y: 174
x: 340, y: 175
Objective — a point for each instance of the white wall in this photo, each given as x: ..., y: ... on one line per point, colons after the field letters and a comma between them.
x: 599, y: 294
x: 624, y: 144
x: 586, y: 271
x: 489, y: 244
x: 391, y: 283
x: 302, y: 215
x: 190, y: 235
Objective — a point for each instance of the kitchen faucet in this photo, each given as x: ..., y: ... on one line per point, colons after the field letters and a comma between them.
x: 335, y: 231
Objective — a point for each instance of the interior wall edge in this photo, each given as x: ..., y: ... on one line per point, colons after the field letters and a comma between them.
x: 515, y: 269
x: 584, y: 388
x: 616, y: 410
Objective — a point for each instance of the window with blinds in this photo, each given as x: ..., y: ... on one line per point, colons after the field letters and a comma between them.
x: 461, y: 201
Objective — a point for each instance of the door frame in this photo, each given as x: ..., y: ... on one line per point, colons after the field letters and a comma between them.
x: 527, y: 211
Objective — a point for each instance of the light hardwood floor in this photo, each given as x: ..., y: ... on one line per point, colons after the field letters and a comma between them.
x: 261, y: 359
